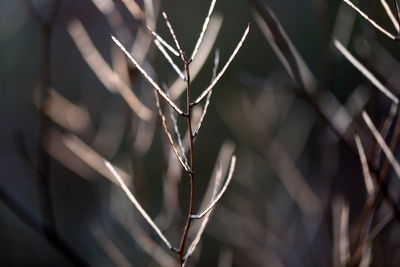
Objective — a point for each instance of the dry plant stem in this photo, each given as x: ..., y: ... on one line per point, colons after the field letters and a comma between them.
x: 42, y: 90
x: 384, y: 130
x: 181, y: 250
x: 366, y: 72
x: 372, y: 22
x: 149, y: 79
x: 41, y: 228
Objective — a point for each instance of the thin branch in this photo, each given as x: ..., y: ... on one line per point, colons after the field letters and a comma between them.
x: 137, y: 204
x: 384, y: 130
x: 178, y: 87
x: 203, y: 30
x: 220, y: 194
x: 373, y: 23
x: 163, y: 42
x: 382, y: 143
x: 146, y: 75
x: 214, y: 82
x: 369, y: 184
x: 390, y: 14
x: 164, y: 123
x: 215, y: 186
x: 178, y: 135
x: 365, y: 72
x: 171, y: 30
x: 169, y: 59
x: 216, y: 63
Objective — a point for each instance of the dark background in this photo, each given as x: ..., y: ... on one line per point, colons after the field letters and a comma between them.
x: 253, y: 105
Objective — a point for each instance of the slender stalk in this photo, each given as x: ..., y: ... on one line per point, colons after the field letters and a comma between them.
x: 181, y: 251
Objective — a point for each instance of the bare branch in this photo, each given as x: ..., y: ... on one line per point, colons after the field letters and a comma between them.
x: 203, y: 30
x: 178, y: 135
x: 378, y: 137
x: 216, y: 63
x: 373, y: 23
x: 164, y: 123
x: 171, y: 30
x: 369, y: 184
x: 163, y: 42
x: 220, y: 194
x: 136, y: 203
x: 178, y: 87
x: 146, y: 75
x: 365, y: 72
x: 212, y: 190
x: 390, y: 14
x: 214, y: 82
x: 169, y: 59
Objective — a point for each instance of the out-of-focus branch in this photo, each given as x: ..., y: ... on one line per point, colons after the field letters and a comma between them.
x: 41, y: 228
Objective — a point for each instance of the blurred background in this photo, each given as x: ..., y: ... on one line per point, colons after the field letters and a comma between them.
x: 288, y: 107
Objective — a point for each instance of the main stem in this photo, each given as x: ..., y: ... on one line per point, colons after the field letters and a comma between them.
x: 181, y: 251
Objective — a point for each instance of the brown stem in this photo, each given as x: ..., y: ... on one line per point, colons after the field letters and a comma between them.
x: 181, y: 251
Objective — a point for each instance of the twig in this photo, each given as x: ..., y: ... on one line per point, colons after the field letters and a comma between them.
x: 214, y: 186
x: 178, y: 87
x: 203, y: 30
x: 137, y: 204
x: 369, y: 184
x: 203, y: 115
x: 171, y: 30
x: 146, y: 75
x: 365, y: 72
x: 373, y: 23
x: 393, y: 19
x: 164, y: 123
x: 220, y: 194
x: 169, y: 59
x: 382, y: 143
x: 214, y: 82
x: 178, y: 135
x: 163, y: 42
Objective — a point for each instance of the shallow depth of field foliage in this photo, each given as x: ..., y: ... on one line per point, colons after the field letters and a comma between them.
x: 295, y: 163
